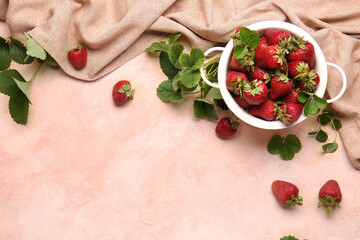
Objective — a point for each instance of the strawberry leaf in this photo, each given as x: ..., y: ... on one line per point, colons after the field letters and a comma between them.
x: 330, y: 147
x: 24, y: 87
x: 240, y: 52
x: 294, y: 142
x: 289, y: 238
x: 324, y: 118
x: 336, y: 124
x: 174, y: 53
x: 8, y: 85
x: 319, y: 102
x: 215, y: 93
x: 285, y: 147
x: 166, y: 66
x: 18, y: 52
x: 204, y: 108
x: 286, y: 151
x: 5, y: 59
x: 321, y: 136
x: 166, y: 92
x: 19, y: 108
x: 303, y: 96
x: 159, y: 47
x: 310, y: 108
x: 274, y: 144
x: 34, y: 49
x: 190, y: 78
x: 173, y: 38
x: 250, y: 38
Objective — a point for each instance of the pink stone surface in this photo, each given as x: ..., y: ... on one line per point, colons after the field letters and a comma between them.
x: 85, y: 169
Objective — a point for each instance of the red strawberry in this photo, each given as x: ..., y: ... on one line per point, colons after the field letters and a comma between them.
x: 259, y: 74
x: 235, y: 81
x: 243, y: 65
x: 242, y: 102
x: 298, y: 70
x: 263, y: 42
x: 255, y: 92
x: 267, y: 110
x: 306, y: 54
x: 275, y: 36
x: 330, y: 195
x: 311, y: 83
x: 122, y: 92
x: 286, y: 193
x: 290, y: 112
x: 78, y: 57
x: 280, y: 86
x: 292, y: 96
x: 269, y: 57
x: 226, y: 127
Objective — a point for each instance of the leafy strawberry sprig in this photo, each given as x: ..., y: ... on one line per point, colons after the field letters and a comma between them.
x: 184, y: 78
x: 12, y: 83
x: 245, y: 42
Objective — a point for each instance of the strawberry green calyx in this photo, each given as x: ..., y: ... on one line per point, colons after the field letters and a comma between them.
x: 303, y: 70
x: 295, y: 200
x: 253, y: 87
x: 291, y: 44
x: 329, y: 202
x: 126, y: 88
x: 79, y: 47
x: 280, y: 55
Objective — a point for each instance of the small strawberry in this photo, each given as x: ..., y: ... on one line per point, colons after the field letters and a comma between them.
x: 242, y: 102
x: 78, y: 57
x: 269, y: 57
x: 263, y: 41
x: 267, y: 110
x: 299, y: 70
x: 122, y: 92
x: 280, y: 86
x: 243, y: 65
x: 311, y: 83
x: 290, y: 113
x: 292, y: 96
x: 286, y: 193
x: 235, y: 81
x: 275, y: 36
x: 259, y: 74
x: 306, y: 54
x: 255, y: 92
x: 226, y: 127
x: 330, y: 195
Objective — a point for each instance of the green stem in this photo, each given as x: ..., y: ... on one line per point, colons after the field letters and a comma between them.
x: 193, y: 92
x: 27, y: 57
x: 336, y: 132
x: 35, y: 73
x: 212, y: 61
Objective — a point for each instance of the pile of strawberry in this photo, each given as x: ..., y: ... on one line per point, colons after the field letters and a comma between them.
x: 266, y: 72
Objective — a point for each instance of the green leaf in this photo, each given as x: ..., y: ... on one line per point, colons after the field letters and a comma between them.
x: 330, y: 147
x: 324, y: 118
x: 34, y: 49
x: 167, y: 67
x: 286, y: 151
x: 249, y: 37
x: 215, y: 93
x: 314, y: 132
x: 176, y: 82
x: 328, y: 112
x: 204, y: 108
x: 321, y: 136
x: 240, y: 52
x: 19, y: 108
x: 336, y: 124
x: 221, y: 104
x: 51, y: 61
x: 174, y: 38
x: 190, y: 78
x: 294, y: 142
x: 24, y: 87
x: 18, y: 52
x: 303, y: 96
x: 175, y: 51
x: 159, y: 47
x: 5, y: 59
x: 274, y: 144
x: 194, y: 61
x: 8, y: 85
x: 166, y: 92
x: 320, y: 102
x: 310, y: 108
x: 289, y: 238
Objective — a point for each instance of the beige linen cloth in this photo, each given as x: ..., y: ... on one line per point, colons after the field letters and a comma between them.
x: 114, y: 31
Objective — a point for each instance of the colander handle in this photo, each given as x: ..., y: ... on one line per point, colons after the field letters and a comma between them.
x: 342, y: 91
x: 203, y: 75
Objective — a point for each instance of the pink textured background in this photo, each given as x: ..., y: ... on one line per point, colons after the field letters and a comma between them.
x: 85, y: 169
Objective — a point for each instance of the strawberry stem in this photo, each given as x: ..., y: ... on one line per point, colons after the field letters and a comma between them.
x: 35, y: 73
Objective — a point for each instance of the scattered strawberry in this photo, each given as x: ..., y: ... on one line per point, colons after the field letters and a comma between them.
x: 78, y: 57
x: 267, y: 110
x: 255, y: 92
x: 122, y: 92
x: 292, y: 96
x: 280, y: 87
x: 269, y: 57
x: 330, y: 195
x: 290, y: 112
x: 242, y: 102
x: 275, y: 36
x: 226, y: 127
x: 259, y: 74
x: 235, y: 81
x: 286, y: 193
x: 307, y: 54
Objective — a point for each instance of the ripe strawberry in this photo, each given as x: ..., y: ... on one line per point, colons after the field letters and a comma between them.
x: 311, y: 83
x: 243, y: 65
x: 298, y: 70
x: 290, y: 112
x: 78, y: 57
x: 275, y: 36
x: 263, y: 41
x: 226, y: 127
x: 242, y: 102
x: 330, y: 195
x: 259, y: 74
x: 122, y: 92
x: 306, y: 54
x: 286, y: 193
x: 255, y: 92
x: 280, y: 86
x: 292, y: 96
x: 267, y: 110
x: 269, y: 57
x: 235, y: 81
